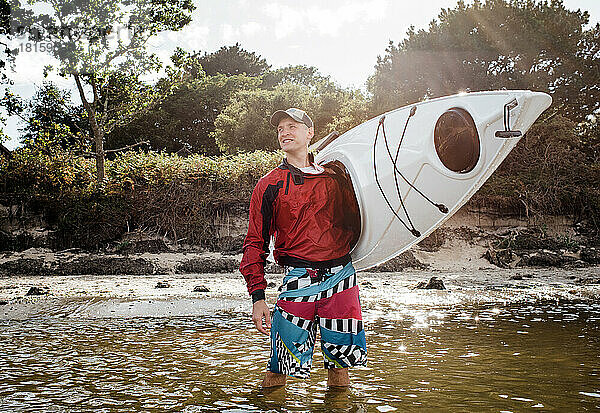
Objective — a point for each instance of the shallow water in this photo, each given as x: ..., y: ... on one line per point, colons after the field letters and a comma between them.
x: 542, y: 356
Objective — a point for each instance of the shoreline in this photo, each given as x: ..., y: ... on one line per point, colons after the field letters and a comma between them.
x: 464, y: 242
x: 468, y: 277
x: 125, y: 296
x: 478, y: 263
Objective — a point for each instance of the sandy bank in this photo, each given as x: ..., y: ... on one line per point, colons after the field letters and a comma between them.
x: 136, y: 296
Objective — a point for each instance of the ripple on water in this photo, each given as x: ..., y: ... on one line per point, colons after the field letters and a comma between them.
x: 452, y: 359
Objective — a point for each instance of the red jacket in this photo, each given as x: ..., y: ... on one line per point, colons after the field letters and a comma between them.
x: 314, y: 217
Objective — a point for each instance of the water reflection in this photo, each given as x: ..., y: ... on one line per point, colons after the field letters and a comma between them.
x: 502, y: 358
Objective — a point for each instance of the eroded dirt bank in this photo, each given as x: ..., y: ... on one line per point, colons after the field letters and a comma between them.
x: 473, y: 256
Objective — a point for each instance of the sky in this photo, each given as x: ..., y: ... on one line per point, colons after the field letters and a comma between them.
x: 342, y: 38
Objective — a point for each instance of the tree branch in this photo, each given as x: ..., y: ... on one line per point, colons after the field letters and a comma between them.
x: 84, y: 100
x: 127, y: 147
x: 127, y: 118
x: 105, y: 108
x: 125, y: 48
x: 86, y: 154
x: 95, y: 90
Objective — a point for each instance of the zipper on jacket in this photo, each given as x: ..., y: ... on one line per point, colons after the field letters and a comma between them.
x: 287, y: 184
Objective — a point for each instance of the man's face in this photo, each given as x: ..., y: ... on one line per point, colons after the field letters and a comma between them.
x: 293, y: 136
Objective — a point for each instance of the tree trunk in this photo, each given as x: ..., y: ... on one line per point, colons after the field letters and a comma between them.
x: 99, y: 140
x: 97, y: 131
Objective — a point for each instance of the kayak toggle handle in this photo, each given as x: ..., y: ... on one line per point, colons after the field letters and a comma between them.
x: 443, y: 208
x: 327, y: 140
x: 507, y: 133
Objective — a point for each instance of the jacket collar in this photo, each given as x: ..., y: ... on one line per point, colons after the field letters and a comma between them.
x: 297, y: 174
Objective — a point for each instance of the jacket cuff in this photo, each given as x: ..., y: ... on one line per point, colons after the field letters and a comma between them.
x: 257, y: 295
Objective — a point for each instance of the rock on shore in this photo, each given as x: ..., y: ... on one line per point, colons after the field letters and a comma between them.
x: 463, y: 243
x: 43, y: 262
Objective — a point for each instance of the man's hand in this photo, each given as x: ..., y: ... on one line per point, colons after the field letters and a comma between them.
x: 260, y: 310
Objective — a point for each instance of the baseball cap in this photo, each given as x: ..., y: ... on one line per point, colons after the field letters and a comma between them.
x: 297, y: 114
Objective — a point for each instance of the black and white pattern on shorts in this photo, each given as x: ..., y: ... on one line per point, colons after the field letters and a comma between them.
x: 351, y: 355
x: 297, y: 321
x: 342, y: 325
x: 344, y: 284
x: 309, y: 343
x: 288, y: 364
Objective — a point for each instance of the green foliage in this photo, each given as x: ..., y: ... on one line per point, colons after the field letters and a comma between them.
x: 126, y: 98
x: 51, y: 119
x: 353, y: 112
x: 300, y: 74
x: 45, y: 170
x: 185, y: 65
x: 102, y: 45
x: 137, y: 169
x: 233, y: 60
x: 186, y: 117
x: 547, y: 173
x: 33, y: 171
x: 244, y: 123
x: 10, y: 11
x: 494, y: 44
x: 214, y: 109
x: 156, y: 191
x: 102, y: 37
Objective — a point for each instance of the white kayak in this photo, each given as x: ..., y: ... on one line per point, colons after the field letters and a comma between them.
x: 443, y: 151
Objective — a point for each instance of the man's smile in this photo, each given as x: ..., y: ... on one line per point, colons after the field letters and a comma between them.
x: 293, y: 137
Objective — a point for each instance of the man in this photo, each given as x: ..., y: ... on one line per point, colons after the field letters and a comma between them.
x: 313, y: 214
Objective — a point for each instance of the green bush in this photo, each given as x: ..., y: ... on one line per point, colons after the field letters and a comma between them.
x: 159, y: 192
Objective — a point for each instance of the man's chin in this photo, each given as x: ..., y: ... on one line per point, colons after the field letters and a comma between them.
x: 287, y: 148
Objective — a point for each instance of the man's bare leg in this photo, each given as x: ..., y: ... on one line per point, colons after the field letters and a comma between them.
x: 338, y: 377
x: 273, y: 379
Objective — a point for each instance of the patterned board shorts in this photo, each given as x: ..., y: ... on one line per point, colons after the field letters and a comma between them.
x: 309, y: 298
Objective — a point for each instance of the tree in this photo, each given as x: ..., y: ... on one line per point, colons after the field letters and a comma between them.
x: 244, y: 123
x: 494, y: 44
x: 300, y: 74
x: 101, y: 45
x: 50, y: 118
x: 233, y: 60
x: 9, y: 10
x: 550, y: 171
x: 353, y: 112
x: 5, y: 53
x: 186, y: 117
x: 588, y: 74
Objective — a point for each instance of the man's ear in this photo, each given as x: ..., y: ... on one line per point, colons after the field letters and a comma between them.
x: 311, y: 132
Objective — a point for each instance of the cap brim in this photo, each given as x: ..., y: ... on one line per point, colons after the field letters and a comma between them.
x: 277, y: 116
